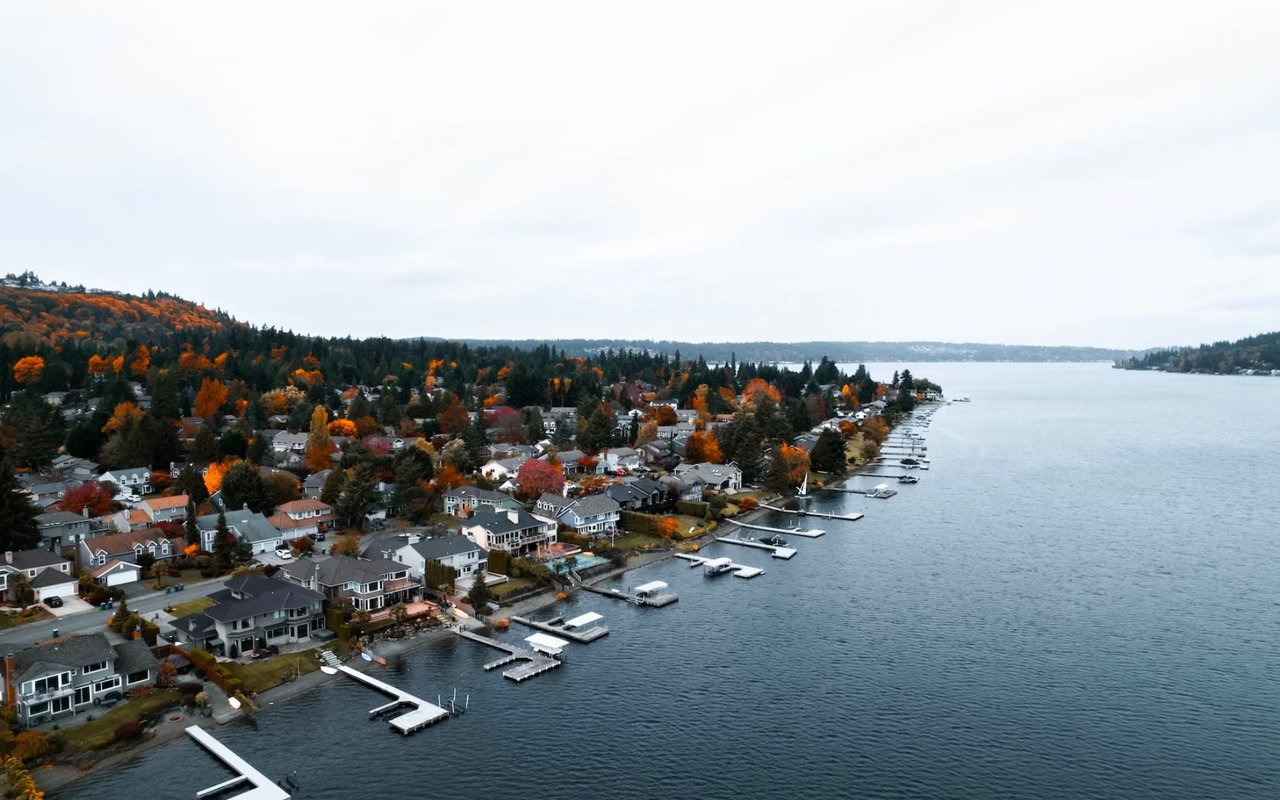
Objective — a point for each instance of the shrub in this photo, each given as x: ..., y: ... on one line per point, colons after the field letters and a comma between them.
x: 128, y: 731
x: 748, y: 504
x: 692, y: 508
x: 30, y: 745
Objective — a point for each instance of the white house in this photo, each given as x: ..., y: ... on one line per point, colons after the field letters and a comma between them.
x: 133, y: 483
x: 721, y: 477
x: 513, y: 530
x: 594, y: 513
x: 459, y: 552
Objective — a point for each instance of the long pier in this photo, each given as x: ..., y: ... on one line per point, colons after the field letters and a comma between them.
x: 776, y: 551
x: 657, y: 600
x: 262, y: 787
x: 740, y: 570
x: 818, y: 514
x: 538, y: 663
x: 809, y: 534
x: 559, y: 627
x: 423, y: 714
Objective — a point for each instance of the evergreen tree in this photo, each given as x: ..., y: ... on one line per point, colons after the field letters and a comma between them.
x: 828, y: 453
x: 597, y: 433
x: 224, y: 548
x: 333, y: 486
x: 32, y: 430
x: 190, y: 483
x: 190, y: 532
x: 413, y: 469
x: 476, y: 439
x: 242, y: 487
x: 18, y: 528
x: 480, y: 594
x: 204, y: 448
x: 358, y: 497
x: 128, y: 447
x: 389, y: 407
x: 232, y: 443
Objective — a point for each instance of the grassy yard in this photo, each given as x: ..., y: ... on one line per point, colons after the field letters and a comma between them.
x: 260, y: 676
x: 16, y: 618
x: 100, y: 732
x: 190, y: 607
x: 638, y: 541
x: 447, y: 520
x: 510, y: 587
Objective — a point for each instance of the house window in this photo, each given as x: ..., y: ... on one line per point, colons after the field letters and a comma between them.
x: 95, y: 667
x: 83, y: 695
x: 107, y: 685
x: 102, y: 559
x: 138, y: 677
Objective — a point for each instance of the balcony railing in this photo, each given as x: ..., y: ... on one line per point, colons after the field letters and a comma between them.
x: 40, y: 697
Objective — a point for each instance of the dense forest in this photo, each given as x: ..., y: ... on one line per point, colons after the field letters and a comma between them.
x: 1259, y: 353
x: 840, y: 352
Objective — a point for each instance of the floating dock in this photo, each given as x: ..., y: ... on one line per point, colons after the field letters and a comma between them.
x: 538, y: 663
x: 262, y: 787
x: 741, y: 570
x: 422, y: 715
x: 647, y: 594
x: 776, y: 551
x: 575, y: 629
x: 818, y: 514
x: 808, y: 534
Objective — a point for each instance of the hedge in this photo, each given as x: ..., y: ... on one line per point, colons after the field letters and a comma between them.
x: 692, y: 508
x: 635, y: 522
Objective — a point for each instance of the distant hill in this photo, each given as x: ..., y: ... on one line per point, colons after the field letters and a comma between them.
x: 840, y: 352
x: 1259, y: 353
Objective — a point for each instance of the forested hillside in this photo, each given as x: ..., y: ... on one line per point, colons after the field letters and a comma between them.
x: 1259, y: 353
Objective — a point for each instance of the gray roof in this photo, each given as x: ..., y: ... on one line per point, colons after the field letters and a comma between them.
x: 75, y: 652
x: 594, y: 504
x: 556, y: 501
x: 336, y: 570
x: 30, y: 559
x: 269, y: 594
x: 317, y: 478
x: 51, y: 577
x: 479, y: 494
x: 139, y: 472
x: 197, y: 625
x: 58, y: 518
x: 249, y: 525
x: 500, y: 521
x: 441, y: 547
x: 135, y: 656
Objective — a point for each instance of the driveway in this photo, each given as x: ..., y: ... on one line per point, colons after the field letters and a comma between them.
x: 70, y: 605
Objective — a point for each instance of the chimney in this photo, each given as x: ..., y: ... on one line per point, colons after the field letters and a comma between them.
x: 8, y: 556
x: 513, y: 515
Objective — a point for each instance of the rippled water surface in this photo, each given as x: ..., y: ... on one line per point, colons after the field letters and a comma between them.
x: 1078, y: 600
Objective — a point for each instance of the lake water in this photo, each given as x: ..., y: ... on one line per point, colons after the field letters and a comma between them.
x: 1078, y: 600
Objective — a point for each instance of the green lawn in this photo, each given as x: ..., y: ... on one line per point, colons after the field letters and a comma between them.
x: 16, y: 618
x: 638, y: 541
x: 100, y: 732
x: 190, y: 607
x: 510, y: 587
x: 260, y: 676
x: 447, y: 520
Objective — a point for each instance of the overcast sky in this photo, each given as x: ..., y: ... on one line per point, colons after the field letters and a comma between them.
x: 1020, y: 172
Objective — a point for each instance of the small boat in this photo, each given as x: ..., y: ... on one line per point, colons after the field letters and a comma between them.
x: 909, y: 462
x: 775, y: 541
x: 366, y: 656
x: 716, y: 566
x: 923, y: 465
x: 881, y: 491
x: 908, y: 479
x: 328, y: 670
x: 804, y: 487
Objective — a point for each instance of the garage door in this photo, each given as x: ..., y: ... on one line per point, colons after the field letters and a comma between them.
x: 117, y: 578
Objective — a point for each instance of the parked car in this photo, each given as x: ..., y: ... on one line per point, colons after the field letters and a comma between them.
x: 53, y: 602
x: 284, y: 552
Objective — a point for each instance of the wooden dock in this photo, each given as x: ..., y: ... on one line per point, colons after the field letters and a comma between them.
x: 776, y: 551
x: 655, y: 600
x: 740, y: 570
x: 423, y: 714
x: 537, y: 663
x: 807, y: 534
x: 559, y: 627
x: 818, y: 514
x: 261, y: 786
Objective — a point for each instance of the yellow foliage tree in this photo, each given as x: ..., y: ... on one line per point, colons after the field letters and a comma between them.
x: 210, y: 397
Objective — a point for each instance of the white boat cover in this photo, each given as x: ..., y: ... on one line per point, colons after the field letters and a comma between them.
x: 585, y: 619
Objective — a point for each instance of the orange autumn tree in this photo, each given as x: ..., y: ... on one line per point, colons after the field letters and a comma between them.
x: 318, y: 445
x: 790, y: 465
x: 342, y: 427
x: 123, y: 413
x: 210, y: 397
x: 28, y: 369
x: 213, y: 478
x: 448, y: 477
x: 700, y: 406
x: 703, y: 446
x: 667, y: 527
x: 876, y: 430
x: 758, y: 389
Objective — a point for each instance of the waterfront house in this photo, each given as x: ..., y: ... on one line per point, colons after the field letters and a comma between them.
x: 687, y: 488
x: 254, y: 612
x: 465, y: 500
x: 48, y: 574
x: 513, y: 530
x: 641, y: 495
x: 721, y: 477
x: 368, y: 584
x: 67, y: 676
x: 593, y: 513
x: 459, y: 552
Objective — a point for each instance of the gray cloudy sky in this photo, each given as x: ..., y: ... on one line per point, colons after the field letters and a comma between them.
x: 1026, y: 172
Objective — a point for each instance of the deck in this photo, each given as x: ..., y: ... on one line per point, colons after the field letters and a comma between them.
x: 777, y: 551
x: 424, y: 713
x: 262, y: 786
x: 656, y: 601
x: 818, y: 514
x: 537, y: 663
x: 740, y: 570
x: 807, y: 534
x: 559, y: 627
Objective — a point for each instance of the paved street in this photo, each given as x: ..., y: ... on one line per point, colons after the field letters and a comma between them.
x: 94, y: 620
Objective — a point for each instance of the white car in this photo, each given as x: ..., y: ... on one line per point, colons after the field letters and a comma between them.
x: 284, y: 552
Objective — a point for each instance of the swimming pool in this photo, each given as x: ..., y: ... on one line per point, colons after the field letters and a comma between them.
x: 559, y: 566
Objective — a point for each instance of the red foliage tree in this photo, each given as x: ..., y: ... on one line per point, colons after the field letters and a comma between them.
x: 91, y: 495
x: 538, y: 477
